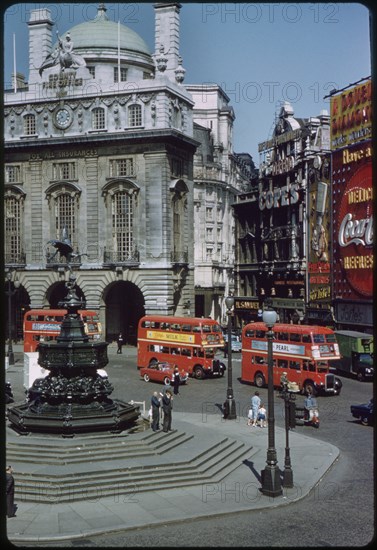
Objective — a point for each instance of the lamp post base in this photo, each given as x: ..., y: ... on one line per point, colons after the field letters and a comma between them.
x: 271, y: 484
x: 287, y: 477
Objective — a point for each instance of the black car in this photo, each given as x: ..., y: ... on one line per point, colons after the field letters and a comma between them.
x: 364, y: 413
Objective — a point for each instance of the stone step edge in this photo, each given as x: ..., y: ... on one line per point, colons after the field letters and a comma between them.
x: 145, y: 477
x: 216, y: 477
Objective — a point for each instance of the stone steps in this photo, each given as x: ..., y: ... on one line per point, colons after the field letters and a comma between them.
x: 116, y: 477
x: 55, y: 454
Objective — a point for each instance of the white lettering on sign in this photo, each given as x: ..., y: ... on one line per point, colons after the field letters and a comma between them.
x: 280, y: 196
x: 355, y: 231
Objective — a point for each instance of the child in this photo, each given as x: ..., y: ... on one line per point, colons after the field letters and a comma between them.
x: 262, y: 416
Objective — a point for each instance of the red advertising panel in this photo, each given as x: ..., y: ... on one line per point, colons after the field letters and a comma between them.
x: 353, y: 223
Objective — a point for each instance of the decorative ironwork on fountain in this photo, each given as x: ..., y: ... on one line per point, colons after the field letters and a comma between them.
x: 73, y: 397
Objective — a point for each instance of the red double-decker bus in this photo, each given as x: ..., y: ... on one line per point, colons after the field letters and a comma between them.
x: 189, y: 342
x: 304, y: 352
x: 43, y: 325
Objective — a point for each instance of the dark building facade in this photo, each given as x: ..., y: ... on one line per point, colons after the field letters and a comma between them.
x: 283, y: 225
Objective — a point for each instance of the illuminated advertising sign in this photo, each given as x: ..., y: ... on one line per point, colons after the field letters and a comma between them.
x: 353, y: 222
x: 351, y: 115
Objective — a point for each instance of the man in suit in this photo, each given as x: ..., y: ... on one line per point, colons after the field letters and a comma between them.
x: 155, y: 402
x: 167, y: 408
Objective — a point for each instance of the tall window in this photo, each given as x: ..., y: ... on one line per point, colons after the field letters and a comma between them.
x: 65, y: 216
x: 134, y: 115
x: 122, y: 225
x: 123, y: 74
x: 92, y: 71
x: 13, y: 229
x: 29, y: 125
x: 98, y: 118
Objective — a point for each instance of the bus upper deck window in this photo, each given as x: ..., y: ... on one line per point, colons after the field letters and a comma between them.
x: 260, y: 334
x: 318, y: 338
x: 295, y: 337
x: 196, y: 328
x: 282, y: 336
x: 176, y: 326
x: 206, y: 328
x: 186, y: 328
x: 165, y: 326
x: 249, y: 334
x: 306, y: 338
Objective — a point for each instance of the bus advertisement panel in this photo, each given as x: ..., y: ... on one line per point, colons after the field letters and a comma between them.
x: 43, y: 325
x: 188, y: 342
x: 303, y: 352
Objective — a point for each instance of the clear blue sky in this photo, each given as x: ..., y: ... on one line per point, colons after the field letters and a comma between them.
x: 261, y: 54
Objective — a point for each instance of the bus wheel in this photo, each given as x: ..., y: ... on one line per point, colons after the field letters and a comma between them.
x: 259, y: 380
x: 166, y: 381
x: 309, y: 387
x: 199, y: 373
x: 146, y: 377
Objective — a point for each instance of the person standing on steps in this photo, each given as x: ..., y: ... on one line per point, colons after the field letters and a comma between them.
x: 156, y: 404
x: 167, y: 406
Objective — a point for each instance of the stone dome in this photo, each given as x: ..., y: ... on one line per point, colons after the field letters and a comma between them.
x: 103, y: 33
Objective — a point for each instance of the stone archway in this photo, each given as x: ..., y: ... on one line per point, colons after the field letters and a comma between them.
x: 58, y: 291
x: 125, y: 305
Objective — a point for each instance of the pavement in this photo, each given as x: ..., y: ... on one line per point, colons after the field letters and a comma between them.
x: 238, y: 491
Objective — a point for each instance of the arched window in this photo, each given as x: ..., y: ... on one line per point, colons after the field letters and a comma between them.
x: 98, y: 118
x: 13, y: 227
x: 64, y: 205
x: 135, y: 115
x: 121, y: 204
x: 29, y: 125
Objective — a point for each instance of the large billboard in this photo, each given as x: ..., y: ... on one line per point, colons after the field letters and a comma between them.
x: 351, y: 115
x: 352, y: 192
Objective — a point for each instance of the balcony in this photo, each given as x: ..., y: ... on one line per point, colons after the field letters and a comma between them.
x: 179, y: 258
x: 114, y: 259
x: 17, y: 261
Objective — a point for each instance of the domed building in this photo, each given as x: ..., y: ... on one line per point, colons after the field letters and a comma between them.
x: 100, y: 146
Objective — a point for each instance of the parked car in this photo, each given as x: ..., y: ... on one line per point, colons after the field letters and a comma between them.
x: 364, y: 413
x: 162, y: 372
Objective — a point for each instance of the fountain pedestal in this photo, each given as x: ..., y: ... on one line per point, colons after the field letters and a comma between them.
x: 73, y: 397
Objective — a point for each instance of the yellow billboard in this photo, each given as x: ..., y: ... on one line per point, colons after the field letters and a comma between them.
x: 351, y: 115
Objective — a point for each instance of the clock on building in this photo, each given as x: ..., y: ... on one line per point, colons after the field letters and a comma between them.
x: 62, y: 118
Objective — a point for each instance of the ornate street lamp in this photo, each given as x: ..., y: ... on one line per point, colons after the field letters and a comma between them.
x: 271, y: 483
x: 230, y: 404
x: 289, y: 407
x: 11, y: 292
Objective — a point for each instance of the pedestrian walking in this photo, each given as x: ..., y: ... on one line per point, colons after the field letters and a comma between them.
x: 120, y: 343
x: 156, y: 404
x: 167, y: 405
x: 10, y: 492
x: 176, y: 380
x: 255, y: 404
x: 262, y: 416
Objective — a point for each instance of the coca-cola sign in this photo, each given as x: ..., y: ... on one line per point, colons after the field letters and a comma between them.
x: 355, y: 230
